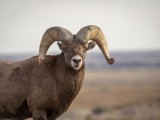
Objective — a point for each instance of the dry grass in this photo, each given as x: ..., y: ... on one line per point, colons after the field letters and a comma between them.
x: 115, y: 88
x: 123, y: 95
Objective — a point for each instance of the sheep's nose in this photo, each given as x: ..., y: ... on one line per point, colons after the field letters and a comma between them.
x: 76, y: 60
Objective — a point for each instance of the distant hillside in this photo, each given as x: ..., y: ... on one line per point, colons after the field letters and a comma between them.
x: 125, y: 60
x: 96, y: 61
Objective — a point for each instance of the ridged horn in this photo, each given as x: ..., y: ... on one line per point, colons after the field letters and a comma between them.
x: 50, y: 36
x: 94, y: 33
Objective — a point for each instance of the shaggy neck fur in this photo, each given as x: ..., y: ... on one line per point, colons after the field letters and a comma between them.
x: 70, y: 78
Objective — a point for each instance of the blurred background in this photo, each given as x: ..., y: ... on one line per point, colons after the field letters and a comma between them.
x: 126, y: 90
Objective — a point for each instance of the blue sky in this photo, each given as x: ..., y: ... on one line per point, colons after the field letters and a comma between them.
x: 127, y: 24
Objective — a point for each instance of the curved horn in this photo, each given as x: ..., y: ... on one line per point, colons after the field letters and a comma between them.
x: 50, y: 36
x: 94, y: 33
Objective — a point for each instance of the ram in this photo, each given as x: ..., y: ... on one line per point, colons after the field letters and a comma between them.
x: 43, y: 87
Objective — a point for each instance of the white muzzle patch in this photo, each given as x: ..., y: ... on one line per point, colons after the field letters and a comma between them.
x: 76, y: 62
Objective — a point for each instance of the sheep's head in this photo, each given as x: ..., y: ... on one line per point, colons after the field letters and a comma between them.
x: 74, y: 52
x: 74, y: 47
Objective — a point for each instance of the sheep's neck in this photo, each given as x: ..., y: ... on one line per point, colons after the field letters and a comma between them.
x: 68, y: 75
x: 69, y: 81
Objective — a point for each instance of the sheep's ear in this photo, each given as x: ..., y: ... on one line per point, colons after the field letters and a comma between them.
x: 60, y: 45
x: 91, y: 45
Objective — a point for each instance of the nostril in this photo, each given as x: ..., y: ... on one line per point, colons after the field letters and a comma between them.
x: 76, y: 60
x: 79, y: 60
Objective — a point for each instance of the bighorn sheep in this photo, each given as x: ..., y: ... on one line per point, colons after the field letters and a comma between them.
x: 43, y: 87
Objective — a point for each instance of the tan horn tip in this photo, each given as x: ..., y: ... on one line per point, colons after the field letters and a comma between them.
x: 110, y: 61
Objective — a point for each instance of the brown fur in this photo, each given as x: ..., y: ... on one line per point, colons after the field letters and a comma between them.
x: 42, y: 91
x: 42, y: 88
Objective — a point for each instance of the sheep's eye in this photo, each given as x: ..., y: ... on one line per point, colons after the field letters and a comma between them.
x: 66, y: 50
x: 85, y: 48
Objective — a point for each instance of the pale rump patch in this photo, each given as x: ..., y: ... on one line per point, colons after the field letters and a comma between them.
x: 76, y: 62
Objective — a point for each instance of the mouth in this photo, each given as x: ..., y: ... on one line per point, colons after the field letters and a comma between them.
x: 76, y: 67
